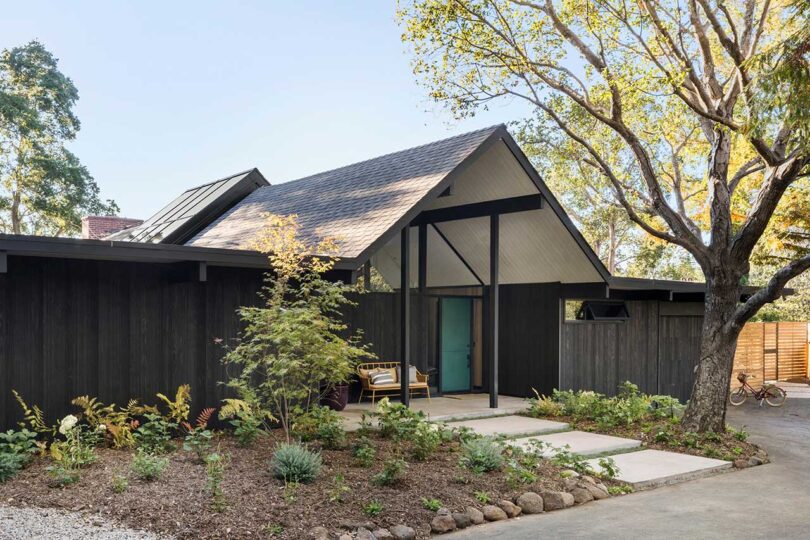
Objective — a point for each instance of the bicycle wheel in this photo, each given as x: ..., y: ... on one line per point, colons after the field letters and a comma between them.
x: 775, y: 396
x: 738, y: 397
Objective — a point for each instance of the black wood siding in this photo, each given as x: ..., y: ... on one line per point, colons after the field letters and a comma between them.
x: 113, y: 330
x: 655, y: 348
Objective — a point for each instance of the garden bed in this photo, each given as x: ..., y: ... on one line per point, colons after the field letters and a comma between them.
x: 258, y: 504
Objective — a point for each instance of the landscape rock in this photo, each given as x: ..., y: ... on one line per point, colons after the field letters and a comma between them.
x: 511, y: 509
x: 382, y: 534
x: 741, y: 463
x: 599, y: 491
x: 402, y: 532
x: 345, y: 536
x: 493, y: 513
x: 319, y: 533
x: 530, y: 503
x: 364, y: 534
x: 557, y: 500
x: 753, y: 461
x: 442, y: 524
x: 352, y: 525
x: 476, y: 516
x: 462, y: 520
x: 581, y: 495
x: 568, y: 473
x: 443, y: 512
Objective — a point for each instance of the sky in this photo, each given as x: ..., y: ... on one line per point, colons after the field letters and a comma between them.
x: 176, y: 94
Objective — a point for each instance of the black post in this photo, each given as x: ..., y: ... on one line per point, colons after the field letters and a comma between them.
x: 405, y: 315
x: 422, y: 258
x: 494, y: 248
x: 367, y: 276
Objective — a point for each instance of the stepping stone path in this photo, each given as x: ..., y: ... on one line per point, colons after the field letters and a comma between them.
x: 653, y: 468
x: 582, y: 443
x: 640, y: 468
x: 511, y: 426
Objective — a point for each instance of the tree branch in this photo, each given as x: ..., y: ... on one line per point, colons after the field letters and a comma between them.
x: 771, y: 291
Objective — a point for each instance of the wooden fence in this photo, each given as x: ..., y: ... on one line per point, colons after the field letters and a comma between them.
x: 773, y: 351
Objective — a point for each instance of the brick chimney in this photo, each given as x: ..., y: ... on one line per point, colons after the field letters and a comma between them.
x: 95, y: 227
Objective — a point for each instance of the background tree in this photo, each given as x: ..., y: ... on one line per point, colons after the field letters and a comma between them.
x: 44, y: 189
x: 632, y: 83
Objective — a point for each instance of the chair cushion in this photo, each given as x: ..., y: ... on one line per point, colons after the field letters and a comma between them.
x: 381, y: 377
x: 395, y: 386
x: 411, y: 374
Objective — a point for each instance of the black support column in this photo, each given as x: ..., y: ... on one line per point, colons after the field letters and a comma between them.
x: 494, y: 249
x: 405, y: 315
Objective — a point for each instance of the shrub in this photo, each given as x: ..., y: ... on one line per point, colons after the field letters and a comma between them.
x: 154, y: 435
x: 481, y: 455
x: 362, y: 452
x: 608, y: 468
x: 294, y: 462
x: 482, y: 497
x: 322, y: 424
x: 373, y: 508
x: 148, y: 467
x: 425, y: 440
x: 22, y: 443
x: 517, y: 474
x: 431, y: 504
x: 116, y: 424
x: 246, y: 419
x: 620, y: 490
x: 339, y: 488
x: 393, y: 470
x: 119, y: 483
x: 543, y: 406
x: 73, y: 453
x: 740, y: 434
x: 215, y: 464
x: 396, y: 420
x: 10, y: 465
x: 568, y: 460
x: 629, y: 407
x: 198, y: 438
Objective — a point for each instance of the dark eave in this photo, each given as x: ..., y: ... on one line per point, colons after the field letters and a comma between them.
x: 72, y: 248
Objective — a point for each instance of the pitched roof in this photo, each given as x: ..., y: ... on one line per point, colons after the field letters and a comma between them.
x: 193, y: 209
x: 355, y: 204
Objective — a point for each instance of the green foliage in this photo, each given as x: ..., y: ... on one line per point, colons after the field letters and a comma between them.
x: 154, y: 435
x: 373, y: 508
x: 623, y: 489
x: 246, y: 418
x: 215, y: 465
x: 180, y: 406
x: 10, y: 465
x: 482, y: 497
x: 608, y: 468
x: 481, y: 455
x: 34, y: 417
x: 76, y: 451
x: 44, y: 188
x: 397, y: 421
x: 568, y: 460
x: 627, y: 408
x: 739, y: 434
x: 294, y: 462
x: 363, y: 452
x: 148, y: 467
x: 119, y: 483
x: 431, y: 504
x: 540, y: 406
x: 338, y: 489
x: 322, y: 424
x: 22, y: 443
x: 198, y: 437
x: 517, y: 474
x: 425, y: 440
x: 116, y: 424
x: 293, y: 346
x: 392, y: 472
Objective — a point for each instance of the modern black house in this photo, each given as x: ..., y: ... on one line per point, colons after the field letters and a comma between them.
x: 482, y: 267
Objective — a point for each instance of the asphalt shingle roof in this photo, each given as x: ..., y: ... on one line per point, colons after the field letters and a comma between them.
x: 355, y: 204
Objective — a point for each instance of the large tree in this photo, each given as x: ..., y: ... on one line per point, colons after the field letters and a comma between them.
x: 44, y: 189
x: 630, y: 82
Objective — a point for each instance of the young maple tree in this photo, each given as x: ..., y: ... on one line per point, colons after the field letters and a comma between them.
x: 697, y: 113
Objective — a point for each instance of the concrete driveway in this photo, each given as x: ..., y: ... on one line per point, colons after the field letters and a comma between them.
x: 770, y: 500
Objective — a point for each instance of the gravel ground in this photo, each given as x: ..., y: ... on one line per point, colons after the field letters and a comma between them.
x: 50, y: 524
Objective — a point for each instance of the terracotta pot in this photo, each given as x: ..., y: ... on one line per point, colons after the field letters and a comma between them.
x: 336, y: 398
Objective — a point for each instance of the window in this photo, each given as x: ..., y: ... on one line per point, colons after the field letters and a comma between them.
x: 597, y: 310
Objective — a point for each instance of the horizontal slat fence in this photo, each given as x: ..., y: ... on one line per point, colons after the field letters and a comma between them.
x: 773, y: 350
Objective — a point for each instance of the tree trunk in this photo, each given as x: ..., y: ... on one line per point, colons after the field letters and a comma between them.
x: 707, y: 406
x: 16, y: 221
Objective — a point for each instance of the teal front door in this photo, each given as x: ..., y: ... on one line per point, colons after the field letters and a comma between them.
x: 455, y: 344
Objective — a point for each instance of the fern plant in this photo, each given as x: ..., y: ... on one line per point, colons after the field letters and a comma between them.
x: 34, y: 417
x: 198, y: 437
x: 180, y: 406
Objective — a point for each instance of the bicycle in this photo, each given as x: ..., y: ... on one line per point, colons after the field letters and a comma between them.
x: 770, y: 393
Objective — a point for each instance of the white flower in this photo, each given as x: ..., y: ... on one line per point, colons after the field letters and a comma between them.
x: 101, y: 427
x: 67, y: 424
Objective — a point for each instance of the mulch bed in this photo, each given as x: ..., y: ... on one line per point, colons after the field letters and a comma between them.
x: 178, y: 503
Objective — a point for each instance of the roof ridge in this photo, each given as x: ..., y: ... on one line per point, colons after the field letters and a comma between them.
x: 492, y: 128
x: 246, y: 171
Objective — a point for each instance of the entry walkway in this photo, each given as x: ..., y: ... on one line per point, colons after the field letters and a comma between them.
x: 717, y: 507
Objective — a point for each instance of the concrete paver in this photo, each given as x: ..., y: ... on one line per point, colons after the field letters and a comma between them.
x: 510, y: 426
x: 582, y: 443
x: 653, y: 468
